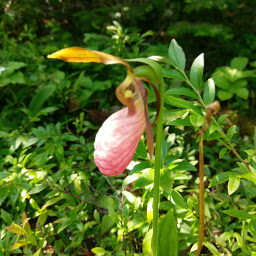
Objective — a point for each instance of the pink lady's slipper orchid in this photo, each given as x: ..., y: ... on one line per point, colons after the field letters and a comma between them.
x: 117, y: 139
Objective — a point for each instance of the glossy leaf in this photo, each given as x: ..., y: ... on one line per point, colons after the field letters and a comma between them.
x: 154, y: 65
x: 145, y: 179
x: 242, y: 167
x: 174, y: 74
x: 173, y: 114
x: 196, y: 72
x: 239, y: 214
x: 182, y: 104
x: 146, y: 247
x: 212, y: 249
x: 249, y: 176
x: 233, y: 184
x: 177, y: 55
x: 209, y: 92
x: 182, y: 91
x: 219, y: 178
x: 177, y: 199
x: 99, y: 251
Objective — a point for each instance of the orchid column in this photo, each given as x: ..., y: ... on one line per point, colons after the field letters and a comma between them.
x: 117, y: 139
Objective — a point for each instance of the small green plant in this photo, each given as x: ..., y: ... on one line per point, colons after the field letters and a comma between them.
x: 233, y: 80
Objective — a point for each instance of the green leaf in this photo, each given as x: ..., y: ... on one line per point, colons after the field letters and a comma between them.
x: 177, y: 199
x: 130, y: 178
x: 249, y: 176
x: 4, y: 174
x: 212, y: 248
x: 196, y: 72
x: 252, y: 228
x: 145, y: 179
x: 64, y: 225
x: 242, y: 167
x: 242, y: 93
x: 174, y: 74
x: 154, y: 65
x: 12, y: 66
x: 136, y: 222
x: 184, y: 166
x: 182, y: 91
x: 221, y: 81
x: 225, y: 95
x: 209, y: 92
x: 166, y: 179
x: 177, y: 55
x: 167, y: 236
x: 99, y: 251
x: 40, y: 97
x: 129, y: 196
x: 52, y: 201
x: 196, y: 121
x: 37, y: 253
x: 222, y: 152
x: 239, y: 63
x: 181, y: 122
x: 141, y: 150
x: 239, y: 214
x: 146, y: 71
x: 37, y: 189
x: 238, y: 84
x: 173, y: 114
x: 146, y: 247
x: 3, y: 194
x: 231, y: 131
x: 182, y: 104
x: 7, y: 218
x: 222, y: 118
x: 233, y: 184
x: 219, y: 178
x: 108, y: 202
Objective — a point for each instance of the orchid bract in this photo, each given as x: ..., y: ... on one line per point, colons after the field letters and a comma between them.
x: 117, y: 139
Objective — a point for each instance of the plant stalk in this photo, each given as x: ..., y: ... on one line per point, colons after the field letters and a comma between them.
x: 158, y: 166
x: 214, y: 120
x: 201, y: 195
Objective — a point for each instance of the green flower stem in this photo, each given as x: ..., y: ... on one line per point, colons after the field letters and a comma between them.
x: 158, y: 166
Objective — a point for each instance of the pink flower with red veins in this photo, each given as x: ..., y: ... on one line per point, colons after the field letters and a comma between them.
x: 117, y: 139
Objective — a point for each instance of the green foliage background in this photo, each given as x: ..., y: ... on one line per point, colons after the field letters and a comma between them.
x: 51, y: 111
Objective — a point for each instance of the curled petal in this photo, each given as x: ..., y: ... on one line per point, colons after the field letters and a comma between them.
x: 77, y: 54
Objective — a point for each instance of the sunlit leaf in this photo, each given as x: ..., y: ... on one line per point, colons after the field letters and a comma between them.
x: 177, y: 55
x: 196, y: 72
